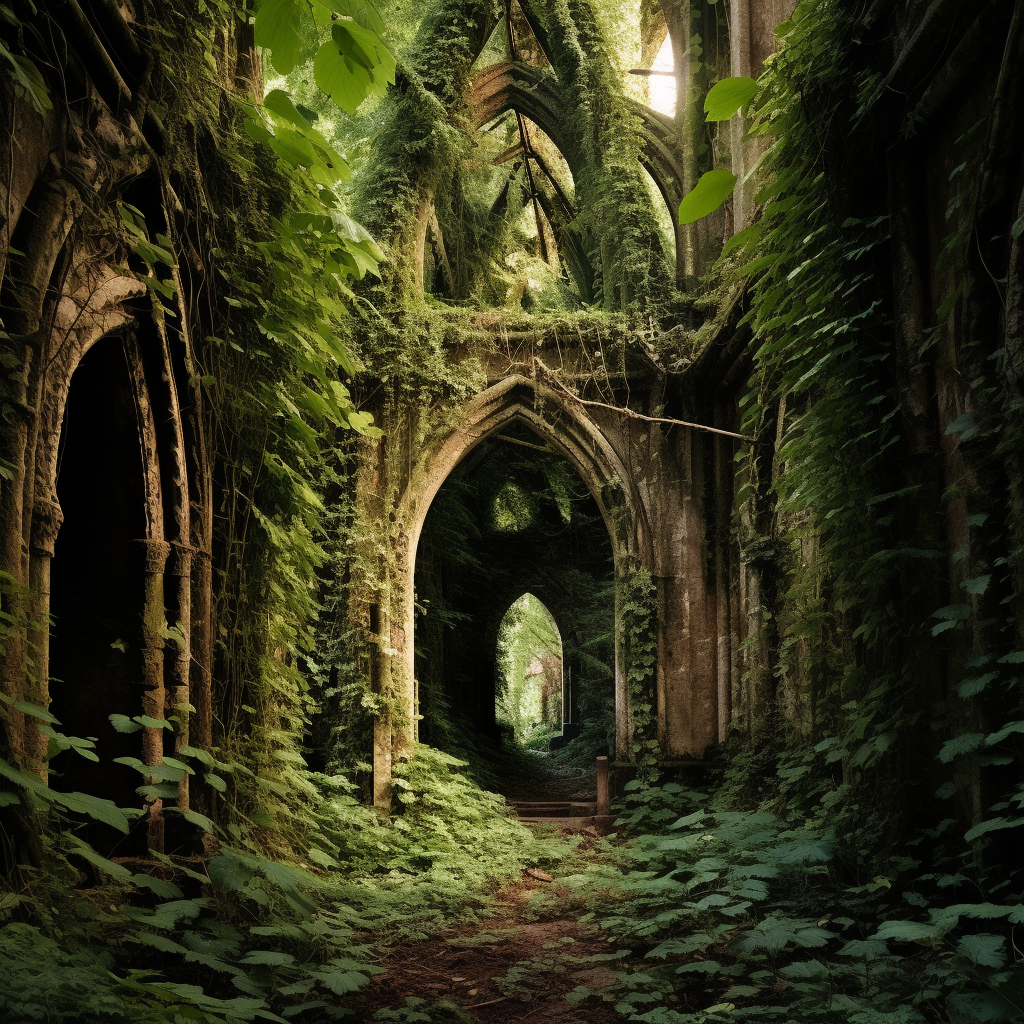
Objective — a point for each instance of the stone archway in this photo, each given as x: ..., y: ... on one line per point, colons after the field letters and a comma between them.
x: 557, y: 618
x: 568, y: 635
x: 97, y: 578
x: 655, y: 487
x: 564, y: 426
x: 95, y: 338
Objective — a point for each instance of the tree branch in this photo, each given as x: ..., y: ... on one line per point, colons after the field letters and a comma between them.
x: 640, y: 416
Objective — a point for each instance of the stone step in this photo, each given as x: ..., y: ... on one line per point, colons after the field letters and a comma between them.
x: 553, y: 808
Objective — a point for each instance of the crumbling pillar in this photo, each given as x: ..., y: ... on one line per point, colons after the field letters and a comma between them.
x: 151, y: 668
x: 179, y: 576
x: 46, y: 522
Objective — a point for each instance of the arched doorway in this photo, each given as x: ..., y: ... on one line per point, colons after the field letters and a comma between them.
x: 529, y: 673
x: 513, y: 531
x: 97, y: 577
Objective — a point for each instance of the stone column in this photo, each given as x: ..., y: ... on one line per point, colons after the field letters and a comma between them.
x: 179, y: 575
x: 201, y: 648
x: 151, y: 667
x: 46, y: 522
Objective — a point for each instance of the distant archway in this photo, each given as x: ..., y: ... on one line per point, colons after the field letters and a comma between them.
x: 529, y: 671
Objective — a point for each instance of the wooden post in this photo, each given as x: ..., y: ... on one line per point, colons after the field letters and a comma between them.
x: 603, y: 801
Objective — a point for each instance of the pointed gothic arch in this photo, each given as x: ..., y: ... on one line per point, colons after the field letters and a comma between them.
x: 562, y: 424
x: 537, y: 94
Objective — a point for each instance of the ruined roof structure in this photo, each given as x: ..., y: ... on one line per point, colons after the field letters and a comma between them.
x: 405, y: 405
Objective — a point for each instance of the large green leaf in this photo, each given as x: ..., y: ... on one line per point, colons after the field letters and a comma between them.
x: 102, y: 810
x: 35, y: 711
x: 724, y: 98
x: 269, y: 958
x: 907, y: 931
x: 965, y: 743
x: 285, y: 28
x: 865, y: 949
x: 992, y: 825
x: 28, y: 77
x: 345, y: 80
x: 96, y: 807
x: 805, y: 969
x: 161, y: 942
x: 361, y: 11
x: 707, y: 196
x: 974, y: 685
x: 984, y: 950
x: 1007, y: 730
x: 340, y: 980
x: 280, y: 103
x: 84, y: 850
x: 122, y: 723
x: 352, y: 65
x: 159, y: 886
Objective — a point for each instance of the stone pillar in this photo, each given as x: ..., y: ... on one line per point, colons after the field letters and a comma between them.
x: 201, y: 648
x: 179, y: 574
x: 46, y: 522
x: 566, y: 694
x: 14, y: 439
x: 688, y: 640
x: 151, y: 668
x: 382, y: 665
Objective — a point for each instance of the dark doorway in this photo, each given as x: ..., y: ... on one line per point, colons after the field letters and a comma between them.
x: 514, y: 517
x: 96, y: 577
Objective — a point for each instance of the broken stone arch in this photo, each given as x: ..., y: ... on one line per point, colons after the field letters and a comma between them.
x: 538, y: 95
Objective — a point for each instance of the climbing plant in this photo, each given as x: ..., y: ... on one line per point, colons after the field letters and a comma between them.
x: 638, y: 617
x: 807, y: 883
x: 810, y: 875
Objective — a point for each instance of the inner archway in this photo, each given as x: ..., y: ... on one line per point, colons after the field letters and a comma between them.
x: 513, y: 519
x: 529, y: 674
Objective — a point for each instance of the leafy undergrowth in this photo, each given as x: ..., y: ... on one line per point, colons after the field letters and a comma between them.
x: 692, y: 914
x: 744, y: 915
x: 239, y: 935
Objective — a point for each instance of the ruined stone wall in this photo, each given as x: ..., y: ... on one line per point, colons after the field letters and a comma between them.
x: 72, y: 291
x: 659, y: 487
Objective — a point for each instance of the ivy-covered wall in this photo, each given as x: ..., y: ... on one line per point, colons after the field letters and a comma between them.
x: 797, y: 555
x: 876, y: 509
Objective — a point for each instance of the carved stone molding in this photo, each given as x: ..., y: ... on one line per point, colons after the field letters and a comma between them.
x: 47, y: 518
x: 155, y: 554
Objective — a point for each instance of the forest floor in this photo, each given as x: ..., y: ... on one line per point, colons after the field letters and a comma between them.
x: 532, y: 950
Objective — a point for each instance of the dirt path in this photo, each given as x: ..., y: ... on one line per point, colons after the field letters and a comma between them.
x: 519, y: 965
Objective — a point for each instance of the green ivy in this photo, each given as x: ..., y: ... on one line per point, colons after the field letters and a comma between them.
x: 638, y: 624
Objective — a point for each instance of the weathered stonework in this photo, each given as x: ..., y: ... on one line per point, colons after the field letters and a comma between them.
x: 650, y: 482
